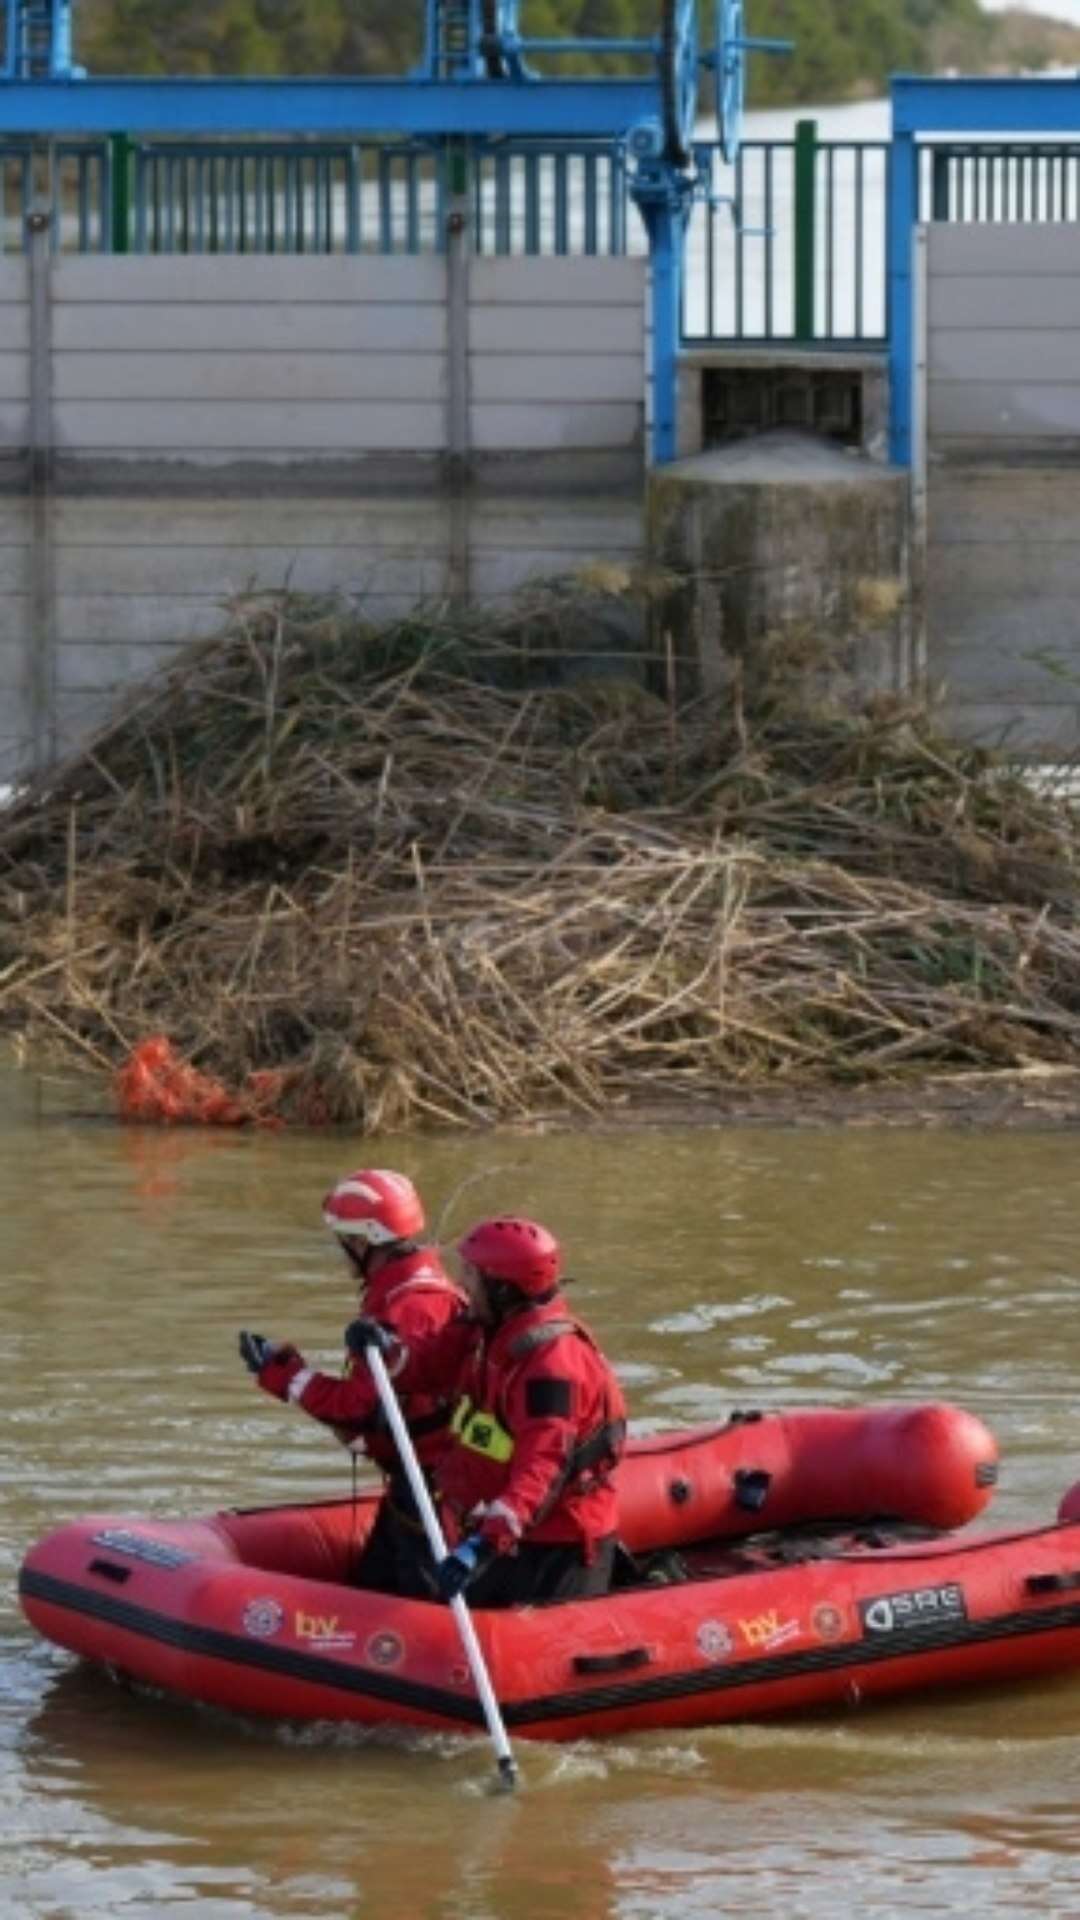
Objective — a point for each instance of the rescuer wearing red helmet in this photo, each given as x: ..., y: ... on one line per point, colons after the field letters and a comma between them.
x: 538, y: 1426
x: 407, y: 1297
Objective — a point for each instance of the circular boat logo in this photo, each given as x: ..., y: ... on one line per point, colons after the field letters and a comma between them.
x: 385, y: 1649
x: 263, y: 1618
x: 714, y: 1640
x: 827, y: 1622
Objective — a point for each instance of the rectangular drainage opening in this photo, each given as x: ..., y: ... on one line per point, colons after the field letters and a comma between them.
x: 739, y: 402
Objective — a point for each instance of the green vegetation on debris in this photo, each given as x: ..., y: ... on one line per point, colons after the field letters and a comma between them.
x: 843, y: 48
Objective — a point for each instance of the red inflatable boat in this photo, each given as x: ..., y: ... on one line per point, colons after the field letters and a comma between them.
x: 253, y: 1611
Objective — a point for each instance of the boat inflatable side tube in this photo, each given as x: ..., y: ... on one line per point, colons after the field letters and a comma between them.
x: 933, y: 1465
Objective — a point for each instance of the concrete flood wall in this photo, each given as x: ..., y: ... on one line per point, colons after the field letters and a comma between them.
x: 1001, y: 424
x: 177, y: 431
x: 174, y: 432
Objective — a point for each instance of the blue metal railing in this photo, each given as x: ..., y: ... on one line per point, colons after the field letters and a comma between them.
x: 560, y: 199
x: 805, y: 263
x: 315, y: 197
x: 80, y: 194
x: 1001, y: 181
x: 271, y: 198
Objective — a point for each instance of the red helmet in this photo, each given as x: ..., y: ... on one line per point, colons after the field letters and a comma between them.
x: 521, y: 1252
x: 374, y: 1205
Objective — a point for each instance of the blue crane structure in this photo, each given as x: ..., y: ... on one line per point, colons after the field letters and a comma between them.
x: 475, y: 83
x: 37, y: 44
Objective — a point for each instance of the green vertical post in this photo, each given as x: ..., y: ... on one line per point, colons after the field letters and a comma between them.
x: 806, y: 140
x: 457, y: 159
x: 121, y: 148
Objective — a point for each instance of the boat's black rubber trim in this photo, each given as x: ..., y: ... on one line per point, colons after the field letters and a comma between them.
x: 793, y: 1666
x: 950, y: 1636
x: 238, y: 1650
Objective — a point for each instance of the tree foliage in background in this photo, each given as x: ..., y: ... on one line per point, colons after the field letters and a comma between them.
x: 248, y: 36
x: 843, y: 48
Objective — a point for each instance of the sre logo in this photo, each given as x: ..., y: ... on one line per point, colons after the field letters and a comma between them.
x: 915, y: 1611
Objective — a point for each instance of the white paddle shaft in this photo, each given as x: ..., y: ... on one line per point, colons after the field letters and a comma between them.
x: 437, y: 1542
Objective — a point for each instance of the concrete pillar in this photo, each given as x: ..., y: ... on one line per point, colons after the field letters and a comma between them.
x: 782, y: 553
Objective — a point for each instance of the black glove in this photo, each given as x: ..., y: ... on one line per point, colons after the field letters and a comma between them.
x: 468, y: 1559
x: 255, y: 1351
x: 363, y: 1333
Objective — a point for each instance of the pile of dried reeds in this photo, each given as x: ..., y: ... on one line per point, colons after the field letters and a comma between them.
x: 433, y: 879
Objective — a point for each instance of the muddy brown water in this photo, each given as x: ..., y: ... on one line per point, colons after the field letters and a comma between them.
x: 722, y: 1268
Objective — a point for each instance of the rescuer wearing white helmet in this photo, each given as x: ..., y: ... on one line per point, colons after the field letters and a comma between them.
x: 378, y: 1219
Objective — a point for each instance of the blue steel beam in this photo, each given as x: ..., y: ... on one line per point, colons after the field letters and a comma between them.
x: 1014, y: 107
x: 585, y: 109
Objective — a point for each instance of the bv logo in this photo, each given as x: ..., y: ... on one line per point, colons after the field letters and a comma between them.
x: 768, y: 1630
x: 317, y: 1626
x: 324, y: 1629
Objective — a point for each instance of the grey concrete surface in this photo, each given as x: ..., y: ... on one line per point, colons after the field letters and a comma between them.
x: 784, y: 542
x: 137, y: 578
x: 1003, y: 602
x: 1002, y: 519
x: 210, y: 426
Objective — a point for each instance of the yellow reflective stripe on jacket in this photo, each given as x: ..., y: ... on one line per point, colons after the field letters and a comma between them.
x: 474, y: 1428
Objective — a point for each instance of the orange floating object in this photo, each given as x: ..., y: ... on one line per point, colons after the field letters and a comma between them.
x: 157, y: 1084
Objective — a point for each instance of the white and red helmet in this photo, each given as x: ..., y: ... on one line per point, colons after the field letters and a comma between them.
x: 375, y: 1206
x: 519, y: 1252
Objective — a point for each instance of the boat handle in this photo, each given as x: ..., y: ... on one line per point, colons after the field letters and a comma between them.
x: 751, y: 1488
x: 110, y: 1571
x: 622, y: 1662
x: 1052, y: 1582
